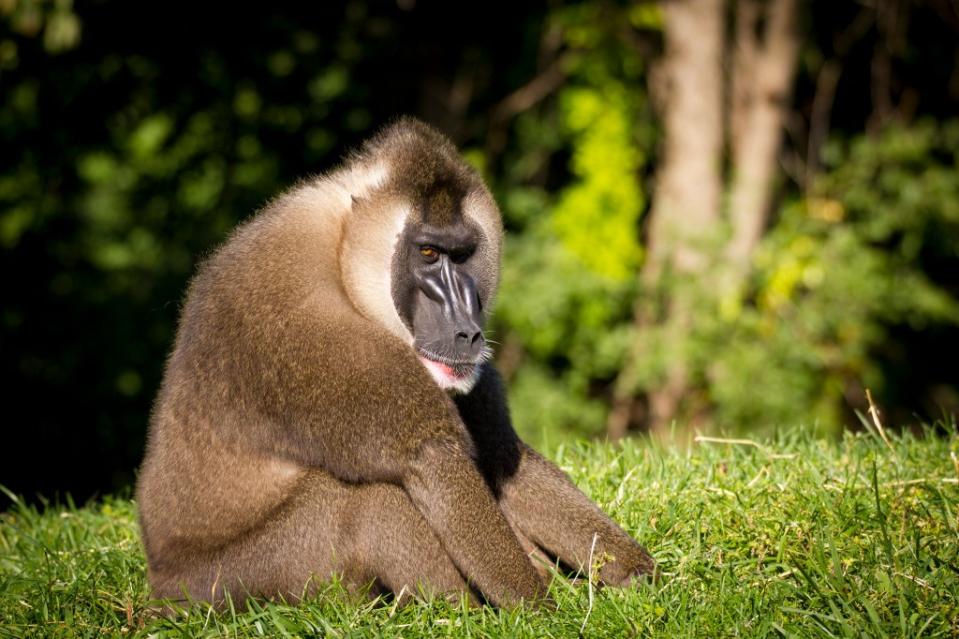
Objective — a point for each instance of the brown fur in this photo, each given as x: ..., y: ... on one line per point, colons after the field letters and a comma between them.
x: 296, y: 433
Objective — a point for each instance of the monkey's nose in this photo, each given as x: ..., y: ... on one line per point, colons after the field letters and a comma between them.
x: 469, y: 341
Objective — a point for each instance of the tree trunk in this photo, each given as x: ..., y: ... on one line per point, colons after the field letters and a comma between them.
x: 762, y: 81
x: 686, y: 204
x: 689, y: 183
x: 685, y: 214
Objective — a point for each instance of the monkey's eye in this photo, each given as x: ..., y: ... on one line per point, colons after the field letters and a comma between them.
x: 429, y: 253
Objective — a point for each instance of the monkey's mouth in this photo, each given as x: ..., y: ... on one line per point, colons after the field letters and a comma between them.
x: 452, y: 370
x: 450, y: 375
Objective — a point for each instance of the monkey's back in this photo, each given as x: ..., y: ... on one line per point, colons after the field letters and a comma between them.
x: 209, y: 474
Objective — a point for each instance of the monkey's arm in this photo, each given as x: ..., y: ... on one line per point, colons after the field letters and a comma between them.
x: 538, y: 498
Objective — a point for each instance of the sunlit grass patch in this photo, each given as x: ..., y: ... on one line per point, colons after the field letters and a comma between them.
x: 792, y: 536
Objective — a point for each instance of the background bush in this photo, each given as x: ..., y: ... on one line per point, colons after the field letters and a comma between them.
x: 133, y: 136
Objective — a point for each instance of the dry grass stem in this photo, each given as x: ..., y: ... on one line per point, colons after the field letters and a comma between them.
x: 705, y: 439
x: 589, y: 579
x: 874, y: 414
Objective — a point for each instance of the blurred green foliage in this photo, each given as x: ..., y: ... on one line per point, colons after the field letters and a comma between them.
x: 851, y: 276
x: 569, y: 273
x: 55, y: 22
x: 870, y: 253
x: 134, y: 136
x: 840, y: 271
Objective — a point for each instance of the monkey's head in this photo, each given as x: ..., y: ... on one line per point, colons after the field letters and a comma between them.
x: 421, y: 249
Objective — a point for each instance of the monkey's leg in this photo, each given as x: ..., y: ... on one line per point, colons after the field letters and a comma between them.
x: 541, y: 561
x: 365, y: 532
x: 396, y: 544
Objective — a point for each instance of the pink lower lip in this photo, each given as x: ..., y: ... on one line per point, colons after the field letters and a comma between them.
x: 440, y: 366
x: 446, y: 369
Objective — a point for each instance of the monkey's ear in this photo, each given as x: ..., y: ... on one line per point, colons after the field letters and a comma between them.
x: 356, y: 201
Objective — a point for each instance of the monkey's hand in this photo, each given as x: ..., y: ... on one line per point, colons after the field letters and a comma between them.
x: 545, y: 505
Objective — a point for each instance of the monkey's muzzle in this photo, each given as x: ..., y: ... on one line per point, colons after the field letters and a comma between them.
x: 448, y: 324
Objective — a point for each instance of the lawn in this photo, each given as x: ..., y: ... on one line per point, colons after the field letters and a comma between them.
x: 793, y: 535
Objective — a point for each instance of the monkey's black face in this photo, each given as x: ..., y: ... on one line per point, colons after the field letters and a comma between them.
x: 435, y: 293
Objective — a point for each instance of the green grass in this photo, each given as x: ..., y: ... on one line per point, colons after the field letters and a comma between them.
x: 795, y: 536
